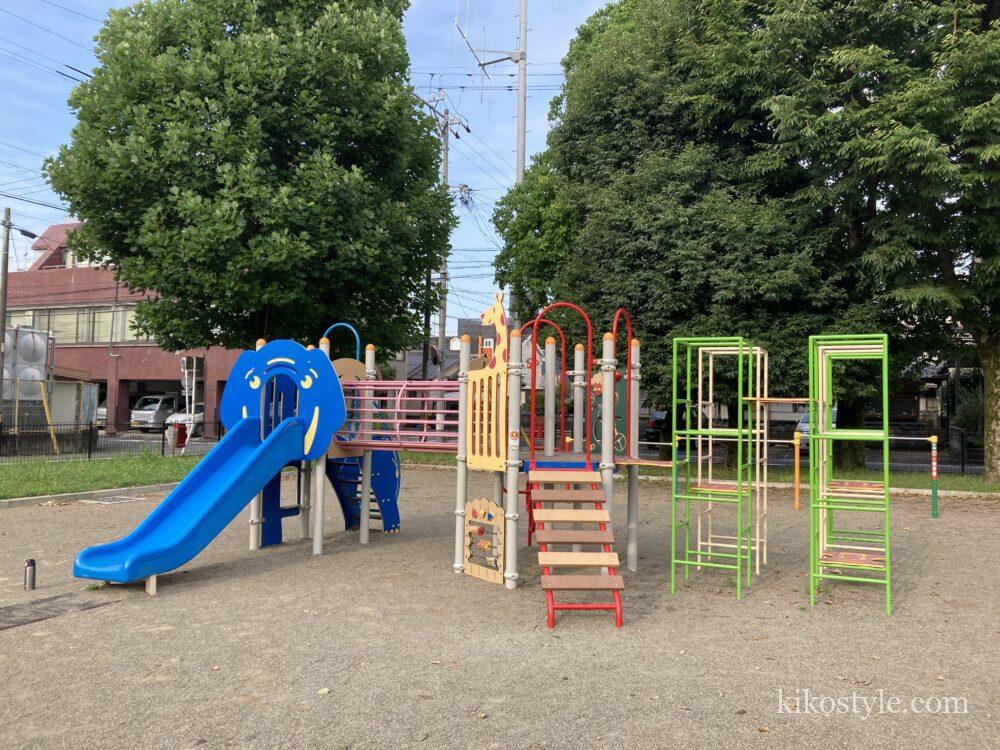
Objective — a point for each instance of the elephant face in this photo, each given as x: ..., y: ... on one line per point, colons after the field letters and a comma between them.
x: 320, y: 397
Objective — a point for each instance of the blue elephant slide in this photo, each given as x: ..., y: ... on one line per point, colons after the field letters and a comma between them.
x: 252, y: 452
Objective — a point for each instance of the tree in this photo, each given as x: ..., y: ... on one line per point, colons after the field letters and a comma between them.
x: 895, y: 108
x: 665, y: 199
x: 775, y: 169
x: 260, y: 167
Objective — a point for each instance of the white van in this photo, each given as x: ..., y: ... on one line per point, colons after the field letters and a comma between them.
x: 151, y: 412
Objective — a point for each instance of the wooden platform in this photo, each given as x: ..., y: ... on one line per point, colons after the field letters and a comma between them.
x: 853, y: 557
x: 570, y: 515
x: 564, y: 476
x: 582, y: 583
x: 567, y: 496
x: 578, y: 559
x: 574, y: 536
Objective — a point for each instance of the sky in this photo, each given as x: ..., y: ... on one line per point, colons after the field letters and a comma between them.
x: 41, y: 41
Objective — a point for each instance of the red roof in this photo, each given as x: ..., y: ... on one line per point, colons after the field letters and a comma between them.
x: 51, y: 244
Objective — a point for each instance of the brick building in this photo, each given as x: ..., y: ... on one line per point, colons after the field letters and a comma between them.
x: 91, y: 318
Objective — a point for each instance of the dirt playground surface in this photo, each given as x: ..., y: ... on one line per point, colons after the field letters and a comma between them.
x: 385, y: 646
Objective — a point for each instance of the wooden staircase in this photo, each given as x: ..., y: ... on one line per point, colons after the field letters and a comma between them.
x: 592, y: 528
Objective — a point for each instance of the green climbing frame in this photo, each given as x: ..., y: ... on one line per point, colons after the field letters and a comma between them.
x: 859, y: 555
x: 698, y: 495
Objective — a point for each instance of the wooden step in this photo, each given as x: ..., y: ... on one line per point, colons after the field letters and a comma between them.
x: 567, y: 496
x: 570, y: 515
x: 574, y: 536
x: 565, y: 476
x: 578, y: 559
x: 583, y: 583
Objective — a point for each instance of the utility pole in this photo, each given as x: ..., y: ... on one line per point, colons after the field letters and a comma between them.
x: 443, y: 312
x: 522, y: 87
x: 519, y: 56
x: 4, y: 256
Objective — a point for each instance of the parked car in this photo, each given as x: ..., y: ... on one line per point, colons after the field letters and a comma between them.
x: 151, y: 412
x: 195, y: 422
x: 803, y: 424
x: 657, y: 424
x: 101, y: 417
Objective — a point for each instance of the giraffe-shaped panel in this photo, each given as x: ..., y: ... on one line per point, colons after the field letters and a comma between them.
x: 486, y: 420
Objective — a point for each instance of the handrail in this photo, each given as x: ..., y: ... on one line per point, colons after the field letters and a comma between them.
x: 352, y: 329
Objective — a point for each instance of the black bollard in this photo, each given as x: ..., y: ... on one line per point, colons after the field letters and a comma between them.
x: 29, y: 575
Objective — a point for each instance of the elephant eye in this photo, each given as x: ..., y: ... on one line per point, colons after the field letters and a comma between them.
x: 255, y: 382
x: 306, y: 382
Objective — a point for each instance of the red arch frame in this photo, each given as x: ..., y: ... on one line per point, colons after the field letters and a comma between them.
x: 534, y: 372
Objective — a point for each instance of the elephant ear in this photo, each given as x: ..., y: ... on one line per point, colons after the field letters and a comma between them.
x: 238, y: 395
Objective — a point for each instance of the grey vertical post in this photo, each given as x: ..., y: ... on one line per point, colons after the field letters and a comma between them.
x: 364, y: 509
x: 305, y: 498
x: 607, y: 464
x: 579, y: 395
x: 257, y: 504
x: 462, y: 491
x: 580, y: 376
x: 4, y: 255
x: 549, y: 442
x: 513, y: 459
x: 632, y: 525
x: 318, y: 477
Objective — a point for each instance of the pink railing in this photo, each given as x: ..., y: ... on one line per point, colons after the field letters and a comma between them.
x: 420, y: 415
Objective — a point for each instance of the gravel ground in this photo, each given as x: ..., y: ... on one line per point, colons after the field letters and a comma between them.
x: 386, y: 646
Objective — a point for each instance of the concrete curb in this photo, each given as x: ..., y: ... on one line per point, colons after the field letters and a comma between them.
x: 20, y: 502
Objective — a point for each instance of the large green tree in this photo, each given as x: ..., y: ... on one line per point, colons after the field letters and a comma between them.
x: 260, y: 167
x: 711, y: 164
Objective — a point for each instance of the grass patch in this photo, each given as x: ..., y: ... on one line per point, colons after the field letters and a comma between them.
x: 32, y: 478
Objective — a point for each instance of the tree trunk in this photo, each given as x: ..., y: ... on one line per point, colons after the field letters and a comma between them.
x: 849, y: 455
x: 989, y: 355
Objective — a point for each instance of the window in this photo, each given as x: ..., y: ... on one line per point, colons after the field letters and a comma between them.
x: 81, y: 325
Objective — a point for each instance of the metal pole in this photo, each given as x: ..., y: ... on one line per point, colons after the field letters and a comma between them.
x: 522, y: 86
x: 579, y: 395
x: 607, y: 465
x: 549, y: 432
x: 318, y: 478
x: 513, y: 459
x: 934, y: 475
x: 4, y: 257
x: 364, y: 511
x: 796, y: 457
x: 257, y: 504
x: 443, y: 311
x: 462, y: 491
x: 632, y: 524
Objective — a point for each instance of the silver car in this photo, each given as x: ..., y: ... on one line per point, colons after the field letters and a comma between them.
x: 151, y: 412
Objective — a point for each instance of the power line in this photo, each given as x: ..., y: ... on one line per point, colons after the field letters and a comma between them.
x: 70, y: 10
x: 46, y: 30
x: 27, y: 151
x: 37, y: 66
x: 33, y: 202
x: 14, y: 165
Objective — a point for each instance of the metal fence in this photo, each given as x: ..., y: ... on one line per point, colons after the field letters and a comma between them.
x: 70, y: 442
x: 959, y: 452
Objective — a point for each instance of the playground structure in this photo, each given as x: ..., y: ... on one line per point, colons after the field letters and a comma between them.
x: 833, y: 549
x: 289, y: 406
x: 723, y: 521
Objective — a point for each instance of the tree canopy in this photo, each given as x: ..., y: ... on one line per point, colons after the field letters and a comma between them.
x: 260, y: 167
x: 772, y: 169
